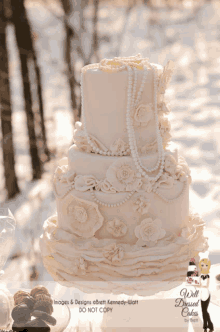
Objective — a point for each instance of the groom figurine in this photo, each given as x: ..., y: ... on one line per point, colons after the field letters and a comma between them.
x: 204, y: 266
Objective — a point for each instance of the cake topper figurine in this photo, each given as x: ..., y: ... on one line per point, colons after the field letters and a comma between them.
x: 204, y: 266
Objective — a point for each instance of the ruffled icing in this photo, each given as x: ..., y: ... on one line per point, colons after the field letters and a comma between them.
x: 120, y: 268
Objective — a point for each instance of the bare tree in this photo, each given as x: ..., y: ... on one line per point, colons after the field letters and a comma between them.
x: 81, y: 33
x: 67, y: 7
x: 6, y: 113
x: 40, y: 103
x: 95, y: 45
x: 25, y: 48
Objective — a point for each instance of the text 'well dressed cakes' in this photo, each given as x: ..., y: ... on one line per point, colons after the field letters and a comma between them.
x: 123, y: 223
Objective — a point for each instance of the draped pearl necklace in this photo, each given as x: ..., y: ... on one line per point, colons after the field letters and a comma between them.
x: 131, y: 133
x: 131, y: 104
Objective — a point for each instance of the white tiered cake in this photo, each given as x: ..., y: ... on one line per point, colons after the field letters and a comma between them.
x: 123, y: 223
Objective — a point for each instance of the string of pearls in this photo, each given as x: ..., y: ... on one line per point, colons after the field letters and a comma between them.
x: 71, y: 187
x: 131, y: 133
x: 112, y: 205
x: 167, y: 200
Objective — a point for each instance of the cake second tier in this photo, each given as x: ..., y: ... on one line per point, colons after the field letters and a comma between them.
x: 112, y: 201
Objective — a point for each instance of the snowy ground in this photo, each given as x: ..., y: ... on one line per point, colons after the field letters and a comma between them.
x: 194, y: 94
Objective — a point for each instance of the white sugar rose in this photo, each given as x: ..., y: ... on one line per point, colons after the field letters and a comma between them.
x: 123, y: 176
x: 163, y: 108
x: 117, y: 227
x: 80, y: 265
x: 84, y: 182
x: 165, y: 181
x: 64, y: 175
x: 80, y: 138
x: 83, y: 217
x: 143, y: 114
x: 119, y: 146
x: 147, y: 186
x: 165, y: 128
x: 79, y: 213
x: 141, y: 205
x: 183, y: 170
x: 185, y: 235
x: 164, y: 123
x: 149, y: 232
x: 170, y: 165
x: 113, y: 253
x: 185, y: 232
x: 180, y: 174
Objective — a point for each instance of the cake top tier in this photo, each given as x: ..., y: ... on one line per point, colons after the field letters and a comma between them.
x: 120, y: 63
x: 123, y: 108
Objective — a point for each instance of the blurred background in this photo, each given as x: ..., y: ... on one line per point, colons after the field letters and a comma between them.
x: 43, y: 46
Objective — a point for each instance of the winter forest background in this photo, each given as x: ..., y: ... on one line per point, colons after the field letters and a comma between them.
x: 43, y: 46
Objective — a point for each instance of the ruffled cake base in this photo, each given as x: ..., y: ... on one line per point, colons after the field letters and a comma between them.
x: 102, y: 266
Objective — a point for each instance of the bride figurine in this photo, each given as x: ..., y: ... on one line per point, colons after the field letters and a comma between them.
x: 204, y: 266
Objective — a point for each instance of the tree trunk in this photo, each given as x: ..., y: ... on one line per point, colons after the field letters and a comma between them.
x: 67, y: 49
x: 6, y: 114
x: 95, y: 29
x: 41, y: 109
x: 24, y: 42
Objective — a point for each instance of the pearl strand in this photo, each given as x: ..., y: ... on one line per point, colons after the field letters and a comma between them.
x: 173, y: 199
x: 161, y: 153
x: 111, y: 205
x: 131, y: 134
x: 72, y: 186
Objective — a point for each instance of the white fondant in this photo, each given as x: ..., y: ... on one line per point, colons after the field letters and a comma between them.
x: 105, y: 102
x: 173, y: 216
x: 97, y: 165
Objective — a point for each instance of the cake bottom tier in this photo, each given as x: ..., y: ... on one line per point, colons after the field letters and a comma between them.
x: 102, y: 266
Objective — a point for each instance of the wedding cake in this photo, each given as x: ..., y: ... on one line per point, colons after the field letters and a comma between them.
x: 123, y: 223
x: 192, y: 277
